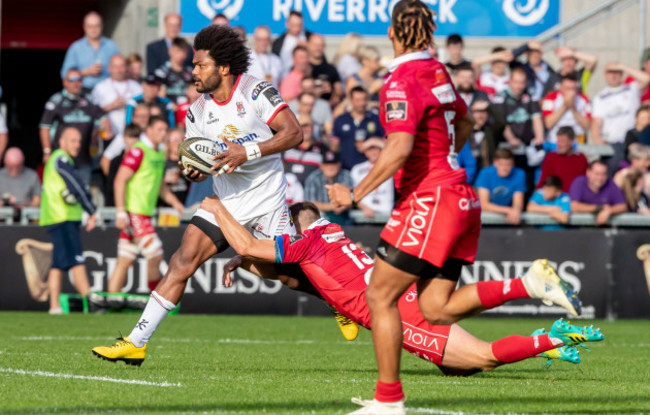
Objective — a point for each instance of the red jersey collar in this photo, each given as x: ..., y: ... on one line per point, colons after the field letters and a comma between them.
x: 413, y: 56
x: 234, y: 88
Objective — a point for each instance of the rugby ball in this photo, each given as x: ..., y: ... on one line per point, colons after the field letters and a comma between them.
x: 197, y: 152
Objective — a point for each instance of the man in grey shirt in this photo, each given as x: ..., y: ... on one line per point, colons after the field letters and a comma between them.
x: 19, y: 185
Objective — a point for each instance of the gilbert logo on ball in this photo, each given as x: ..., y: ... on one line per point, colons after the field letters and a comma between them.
x: 197, y: 153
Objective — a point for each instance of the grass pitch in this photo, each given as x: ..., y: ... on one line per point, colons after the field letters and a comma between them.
x: 289, y: 365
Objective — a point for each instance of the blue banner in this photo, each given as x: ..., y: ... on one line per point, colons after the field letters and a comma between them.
x: 480, y: 18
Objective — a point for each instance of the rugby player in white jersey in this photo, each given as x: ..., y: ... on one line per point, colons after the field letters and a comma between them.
x: 251, y: 123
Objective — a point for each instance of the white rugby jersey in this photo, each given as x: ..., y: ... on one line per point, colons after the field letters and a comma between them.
x: 617, y: 107
x: 257, y: 186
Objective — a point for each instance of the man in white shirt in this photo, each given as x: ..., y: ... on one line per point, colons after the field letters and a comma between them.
x: 265, y: 65
x: 112, y: 94
x: 284, y: 45
x: 380, y: 200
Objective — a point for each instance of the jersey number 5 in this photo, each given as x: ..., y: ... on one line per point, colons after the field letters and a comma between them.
x: 452, y: 157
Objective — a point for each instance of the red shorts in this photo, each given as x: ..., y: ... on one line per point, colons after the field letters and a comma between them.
x: 438, y: 225
x: 424, y: 340
x: 139, y: 226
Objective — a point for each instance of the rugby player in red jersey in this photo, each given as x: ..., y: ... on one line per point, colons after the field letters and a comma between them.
x: 434, y: 228
x: 339, y: 271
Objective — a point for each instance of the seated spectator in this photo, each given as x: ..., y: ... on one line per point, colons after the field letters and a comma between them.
x: 637, y: 201
x: 467, y: 161
x: 158, y: 50
x: 134, y: 67
x: 465, y: 80
x: 307, y: 156
x: 495, y: 81
x: 595, y: 193
x: 175, y: 74
x: 551, y: 200
x: 566, y: 107
x: 380, y: 200
x: 330, y: 172
x: 569, y: 59
x: 641, y: 122
x: 112, y: 94
x: 564, y: 163
x: 501, y: 187
x: 19, y: 185
x: 488, y: 130
x: 290, y: 85
x: 352, y: 128
x: 181, y: 112
x: 614, y: 109
x: 454, y: 48
x: 347, y: 59
x: 639, y: 156
x: 141, y: 115
x: 295, y: 191
x: 321, y: 69
x: 317, y: 109
x: 150, y: 95
x: 264, y: 64
x: 368, y: 75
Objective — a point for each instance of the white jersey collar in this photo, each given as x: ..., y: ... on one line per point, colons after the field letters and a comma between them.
x: 319, y: 222
x: 413, y: 56
x: 147, y: 142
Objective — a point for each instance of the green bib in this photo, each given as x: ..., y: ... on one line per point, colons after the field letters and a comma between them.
x: 143, y: 187
x: 53, y: 208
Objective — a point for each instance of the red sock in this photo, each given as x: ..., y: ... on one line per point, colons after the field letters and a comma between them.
x: 495, y: 293
x: 515, y: 348
x: 152, y: 284
x: 389, y: 392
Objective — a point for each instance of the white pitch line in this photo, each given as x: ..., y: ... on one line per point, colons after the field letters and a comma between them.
x: 99, y: 378
x: 445, y: 412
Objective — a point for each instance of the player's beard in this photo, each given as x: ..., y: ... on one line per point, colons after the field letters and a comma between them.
x: 210, y: 85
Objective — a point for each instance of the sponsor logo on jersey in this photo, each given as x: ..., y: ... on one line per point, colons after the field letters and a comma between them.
x: 234, y: 134
x: 444, y: 93
x: 418, y: 221
x: 466, y: 204
x: 294, y: 238
x: 396, y: 110
x: 241, y: 111
x: 273, y: 96
x: 211, y: 118
x: 395, y: 94
x: 190, y: 116
x: 258, y: 89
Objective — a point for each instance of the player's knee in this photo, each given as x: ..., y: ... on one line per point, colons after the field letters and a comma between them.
x: 127, y: 249
x: 150, y: 246
x: 183, y: 263
x: 435, y: 315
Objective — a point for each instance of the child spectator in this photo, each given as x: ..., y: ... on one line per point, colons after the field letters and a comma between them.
x: 551, y: 200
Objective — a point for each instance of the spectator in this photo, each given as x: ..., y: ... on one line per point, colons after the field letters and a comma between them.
x: 501, y: 187
x: 4, y: 135
x: 321, y: 69
x: 380, y: 200
x: 542, y: 79
x: 220, y: 19
x: 112, y: 94
x: 454, y: 49
x: 564, y: 163
x: 569, y: 60
x: 110, y: 166
x: 645, y: 98
x: 330, y: 172
x: 352, y: 128
x: 347, y: 59
x: 241, y: 32
x: 595, y: 193
x: 140, y: 118
x: 19, y: 185
x: 150, y: 96
x: 467, y: 161
x: 63, y: 199
x: 465, y: 80
x: 290, y: 85
x: 91, y: 54
x: 641, y: 122
x: 181, y: 113
x: 134, y: 67
x: 295, y: 191
x: 307, y: 156
x: 158, y: 51
x: 639, y: 160
x: 368, y: 75
x: 69, y: 108
x: 174, y: 73
x: 636, y: 200
x: 176, y: 182
x: 264, y: 65
x: 318, y: 109
x: 285, y: 45
x: 551, y: 200
x: 495, y: 81
x: 615, y: 107
x: 488, y: 130
x: 566, y: 107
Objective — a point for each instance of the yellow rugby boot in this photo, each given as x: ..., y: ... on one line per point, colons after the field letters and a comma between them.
x: 349, y: 328
x: 123, y: 350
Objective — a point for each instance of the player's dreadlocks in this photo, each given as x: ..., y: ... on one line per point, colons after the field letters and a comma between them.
x: 413, y: 24
x: 225, y: 46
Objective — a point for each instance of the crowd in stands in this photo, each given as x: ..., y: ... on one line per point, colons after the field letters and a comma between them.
x: 532, y: 148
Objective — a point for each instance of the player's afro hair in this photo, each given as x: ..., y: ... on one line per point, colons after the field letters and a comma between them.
x: 225, y: 47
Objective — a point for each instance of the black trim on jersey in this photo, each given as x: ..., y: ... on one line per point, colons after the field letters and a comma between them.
x: 213, y: 232
x: 416, y: 266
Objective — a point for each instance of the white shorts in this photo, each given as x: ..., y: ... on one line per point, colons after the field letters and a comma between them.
x: 267, y: 226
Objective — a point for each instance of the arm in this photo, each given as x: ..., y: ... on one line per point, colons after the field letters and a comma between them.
x: 588, y: 59
x: 596, y: 129
x: 618, y: 209
x: 538, y: 129
x: 535, y: 208
x: 170, y: 198
x: 642, y: 77
x: 4, y: 139
x: 511, y: 138
x: 237, y: 236
x: 485, y: 59
x: 122, y: 177
x: 580, y: 207
x: 487, y: 206
x: 552, y: 119
x: 583, y: 119
x: 463, y: 129
x: 74, y: 184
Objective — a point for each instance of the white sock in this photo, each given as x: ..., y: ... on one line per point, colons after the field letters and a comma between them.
x: 153, y: 314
